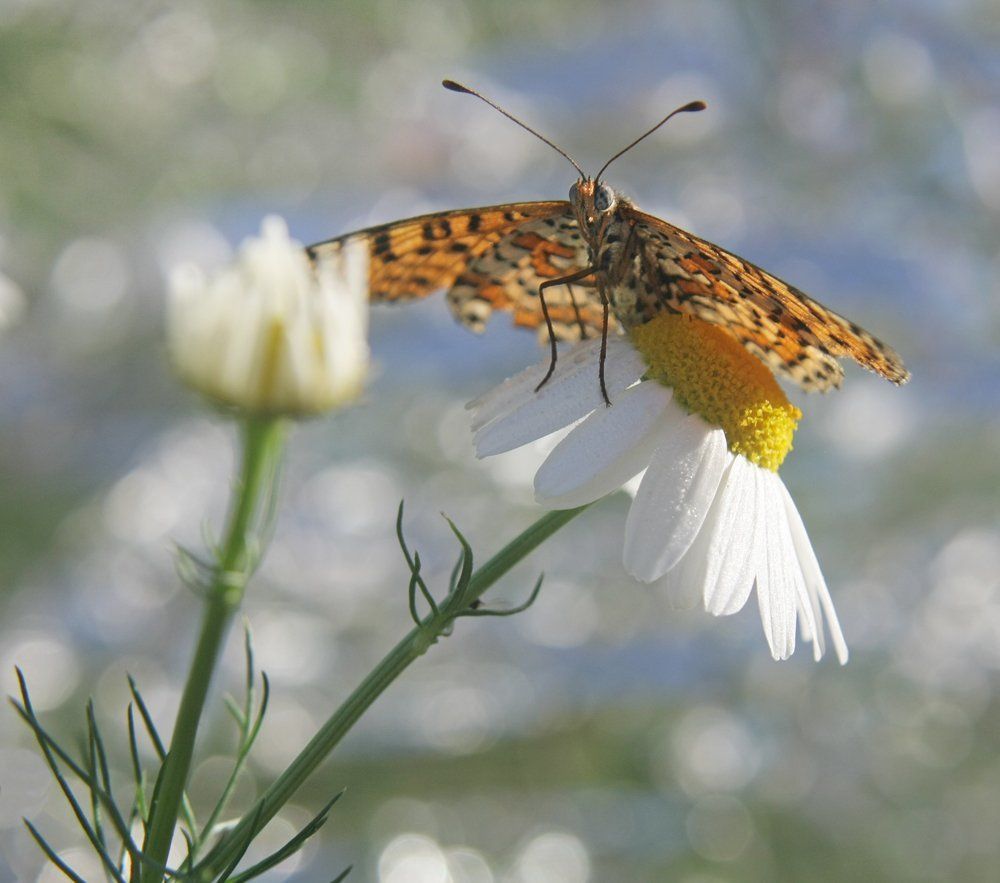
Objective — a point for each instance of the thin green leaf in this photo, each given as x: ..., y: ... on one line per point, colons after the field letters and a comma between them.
x: 154, y: 736
x: 97, y: 765
x: 402, y: 539
x: 466, y: 560
x: 248, y: 738
x: 243, y: 714
x: 235, y: 711
x: 455, y: 571
x: 50, y: 854
x: 487, y: 611
x: 265, y: 698
x: 49, y: 750
x: 399, y: 534
x: 291, y: 847
x: 185, y: 869
x: 138, y: 810
x: 428, y: 597
x: 411, y: 597
x: 416, y: 580
x: 250, y: 676
x: 241, y: 847
x: 147, y: 719
x: 52, y: 750
x: 133, y: 751
x: 102, y: 755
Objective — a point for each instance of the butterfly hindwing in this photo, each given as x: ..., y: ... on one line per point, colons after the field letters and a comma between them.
x: 507, y: 276
x: 793, y: 334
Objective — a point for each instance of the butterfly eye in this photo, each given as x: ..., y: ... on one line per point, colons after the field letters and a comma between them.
x: 573, y: 192
x: 604, y: 197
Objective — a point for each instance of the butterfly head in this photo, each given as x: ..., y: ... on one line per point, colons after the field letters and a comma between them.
x: 592, y: 200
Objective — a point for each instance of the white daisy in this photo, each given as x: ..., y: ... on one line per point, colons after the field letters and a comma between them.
x: 272, y: 333
x: 702, y: 426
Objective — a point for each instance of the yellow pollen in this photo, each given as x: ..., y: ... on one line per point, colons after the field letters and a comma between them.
x: 713, y: 376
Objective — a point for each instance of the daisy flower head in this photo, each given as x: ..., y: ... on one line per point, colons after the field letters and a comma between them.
x: 273, y: 334
x: 701, y: 426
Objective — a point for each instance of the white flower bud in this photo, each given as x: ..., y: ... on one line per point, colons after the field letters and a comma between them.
x: 273, y: 334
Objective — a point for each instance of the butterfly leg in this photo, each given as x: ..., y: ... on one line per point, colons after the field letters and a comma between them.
x: 548, y: 283
x: 604, y: 344
x: 576, y: 312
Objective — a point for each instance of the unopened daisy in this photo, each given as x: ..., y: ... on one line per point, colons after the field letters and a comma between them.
x: 273, y: 334
x: 703, y: 426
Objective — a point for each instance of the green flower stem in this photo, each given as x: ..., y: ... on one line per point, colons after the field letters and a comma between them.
x: 263, y: 441
x: 410, y: 648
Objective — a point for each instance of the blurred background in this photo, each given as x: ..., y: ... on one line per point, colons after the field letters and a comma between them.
x: 852, y: 148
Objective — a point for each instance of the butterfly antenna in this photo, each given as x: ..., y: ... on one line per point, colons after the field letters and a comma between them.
x: 687, y: 108
x: 458, y: 87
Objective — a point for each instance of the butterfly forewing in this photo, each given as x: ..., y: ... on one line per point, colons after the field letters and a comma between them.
x: 793, y: 334
x: 487, y: 259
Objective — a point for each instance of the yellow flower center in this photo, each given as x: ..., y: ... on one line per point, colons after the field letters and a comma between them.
x: 713, y: 376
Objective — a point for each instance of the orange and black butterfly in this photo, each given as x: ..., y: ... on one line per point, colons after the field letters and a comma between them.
x: 584, y: 266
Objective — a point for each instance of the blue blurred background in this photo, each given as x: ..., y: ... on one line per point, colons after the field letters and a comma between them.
x: 852, y: 148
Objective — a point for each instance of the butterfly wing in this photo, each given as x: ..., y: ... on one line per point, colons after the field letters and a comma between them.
x: 487, y: 259
x: 793, y: 334
x: 507, y: 276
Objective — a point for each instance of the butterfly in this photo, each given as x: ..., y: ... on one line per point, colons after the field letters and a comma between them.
x: 589, y: 265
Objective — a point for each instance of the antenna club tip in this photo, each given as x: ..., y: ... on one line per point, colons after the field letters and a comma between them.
x: 454, y: 87
x: 693, y: 106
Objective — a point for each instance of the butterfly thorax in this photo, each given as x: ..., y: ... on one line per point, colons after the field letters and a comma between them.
x: 602, y: 215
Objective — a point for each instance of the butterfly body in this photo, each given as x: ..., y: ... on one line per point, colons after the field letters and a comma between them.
x: 615, y: 251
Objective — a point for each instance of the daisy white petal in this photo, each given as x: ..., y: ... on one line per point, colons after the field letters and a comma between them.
x: 631, y: 487
x: 683, y: 583
x: 810, y: 616
x: 605, y: 450
x: 775, y: 586
x: 806, y: 608
x: 815, y: 584
x: 731, y: 560
x: 807, y: 619
x: 513, y: 414
x: 674, y: 497
x: 518, y: 390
